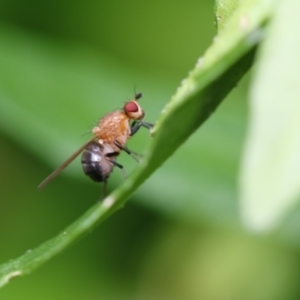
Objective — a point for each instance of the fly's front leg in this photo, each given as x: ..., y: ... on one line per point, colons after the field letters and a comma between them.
x: 136, y: 125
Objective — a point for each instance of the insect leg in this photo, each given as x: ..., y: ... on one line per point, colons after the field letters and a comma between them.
x: 147, y: 125
x: 115, y: 163
x: 103, y: 190
x: 136, y: 125
x: 113, y: 154
x: 131, y: 153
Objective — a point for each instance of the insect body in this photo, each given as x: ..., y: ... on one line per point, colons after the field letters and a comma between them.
x: 98, y: 161
x: 109, y: 138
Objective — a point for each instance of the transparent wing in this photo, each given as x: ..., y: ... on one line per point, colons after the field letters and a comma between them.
x: 65, y: 164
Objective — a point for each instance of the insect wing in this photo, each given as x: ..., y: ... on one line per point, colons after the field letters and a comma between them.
x: 65, y: 164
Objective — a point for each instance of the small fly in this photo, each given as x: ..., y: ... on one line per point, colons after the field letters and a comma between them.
x: 109, y: 139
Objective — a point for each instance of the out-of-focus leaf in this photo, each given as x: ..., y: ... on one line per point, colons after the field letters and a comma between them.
x: 223, y: 11
x: 270, y: 174
x: 200, y: 93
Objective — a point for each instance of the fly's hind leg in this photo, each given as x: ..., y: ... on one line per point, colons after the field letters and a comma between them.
x: 103, y: 190
x: 113, y: 154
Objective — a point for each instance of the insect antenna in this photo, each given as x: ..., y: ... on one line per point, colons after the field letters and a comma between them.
x: 138, y: 96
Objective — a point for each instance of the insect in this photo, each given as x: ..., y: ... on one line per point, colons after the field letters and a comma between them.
x: 109, y: 138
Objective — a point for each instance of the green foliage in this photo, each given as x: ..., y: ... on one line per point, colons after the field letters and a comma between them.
x: 270, y: 173
x: 50, y: 88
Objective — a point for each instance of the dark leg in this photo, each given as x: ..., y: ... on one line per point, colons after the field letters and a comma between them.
x: 136, y: 125
x: 103, y: 190
x: 147, y: 125
x: 131, y: 153
x: 115, y: 163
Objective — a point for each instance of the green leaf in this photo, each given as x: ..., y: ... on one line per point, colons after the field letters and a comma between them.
x: 270, y: 174
x: 223, y: 11
x: 222, y: 66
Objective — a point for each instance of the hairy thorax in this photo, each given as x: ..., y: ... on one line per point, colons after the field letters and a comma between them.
x: 113, y: 127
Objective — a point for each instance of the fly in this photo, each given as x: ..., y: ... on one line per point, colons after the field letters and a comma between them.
x: 109, y: 139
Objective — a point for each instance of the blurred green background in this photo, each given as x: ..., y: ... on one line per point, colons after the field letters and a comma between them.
x: 63, y: 65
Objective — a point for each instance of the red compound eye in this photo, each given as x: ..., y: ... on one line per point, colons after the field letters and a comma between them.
x: 131, y: 107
